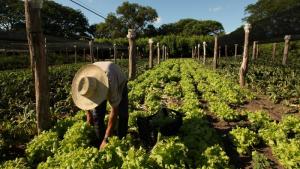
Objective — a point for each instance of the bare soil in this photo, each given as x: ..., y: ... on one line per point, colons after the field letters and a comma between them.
x: 276, y: 112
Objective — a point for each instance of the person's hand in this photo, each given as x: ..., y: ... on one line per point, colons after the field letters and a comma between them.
x: 89, y: 118
x: 103, y: 144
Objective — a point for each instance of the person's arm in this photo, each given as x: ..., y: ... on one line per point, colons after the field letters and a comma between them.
x: 89, y: 117
x: 111, y: 123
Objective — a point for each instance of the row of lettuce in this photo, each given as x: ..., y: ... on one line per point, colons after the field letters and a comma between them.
x: 185, y: 86
x: 69, y: 143
x: 17, y: 103
x: 279, y: 83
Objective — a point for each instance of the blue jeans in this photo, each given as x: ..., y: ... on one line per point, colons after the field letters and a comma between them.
x: 99, y: 115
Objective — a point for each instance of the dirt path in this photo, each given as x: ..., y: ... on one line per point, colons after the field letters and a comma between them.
x: 223, y: 128
x: 276, y: 112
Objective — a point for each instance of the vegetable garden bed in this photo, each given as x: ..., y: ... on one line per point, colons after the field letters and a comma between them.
x: 186, y: 86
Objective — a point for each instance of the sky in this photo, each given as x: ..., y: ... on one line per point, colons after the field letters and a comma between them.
x: 228, y: 12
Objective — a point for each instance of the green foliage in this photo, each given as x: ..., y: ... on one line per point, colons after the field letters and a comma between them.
x: 223, y: 111
x: 279, y: 83
x: 42, y: 146
x: 79, y: 135
x: 288, y: 152
x: 73, y: 25
x: 188, y: 85
x: 169, y: 153
x: 259, y: 161
x: 243, y: 139
x: 128, y: 16
x: 12, y: 15
x: 19, y: 163
x: 266, y: 8
x: 283, y: 138
x: 259, y: 119
x: 138, y: 158
x: 17, y: 102
x: 62, y: 126
x: 78, y: 158
x: 177, y: 44
x: 215, y: 158
x: 188, y: 27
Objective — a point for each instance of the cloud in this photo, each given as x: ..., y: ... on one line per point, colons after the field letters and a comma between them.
x: 215, y: 9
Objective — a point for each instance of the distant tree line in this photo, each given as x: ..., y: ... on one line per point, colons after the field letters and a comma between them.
x: 57, y: 20
x: 132, y: 15
x: 65, y: 22
x: 271, y: 20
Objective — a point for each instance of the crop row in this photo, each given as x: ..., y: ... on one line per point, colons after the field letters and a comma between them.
x: 17, y: 103
x: 183, y: 85
x: 170, y: 84
x: 279, y: 83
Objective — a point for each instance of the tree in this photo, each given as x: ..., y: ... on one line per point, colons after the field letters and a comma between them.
x: 267, y: 8
x: 57, y: 20
x: 92, y: 30
x: 150, y: 31
x: 11, y: 15
x: 63, y: 21
x: 190, y: 27
x: 127, y: 16
x: 135, y: 16
x: 167, y: 29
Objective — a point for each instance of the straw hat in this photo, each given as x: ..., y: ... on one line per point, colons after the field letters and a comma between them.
x: 89, y: 87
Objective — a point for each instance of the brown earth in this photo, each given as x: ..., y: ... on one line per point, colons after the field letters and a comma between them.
x: 276, y: 112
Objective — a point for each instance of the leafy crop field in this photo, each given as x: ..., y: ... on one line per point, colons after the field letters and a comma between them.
x: 186, y: 86
x: 279, y: 83
x: 17, y: 106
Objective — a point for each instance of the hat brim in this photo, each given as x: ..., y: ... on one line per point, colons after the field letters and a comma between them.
x: 101, y: 90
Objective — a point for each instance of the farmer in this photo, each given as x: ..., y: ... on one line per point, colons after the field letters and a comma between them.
x: 94, y: 85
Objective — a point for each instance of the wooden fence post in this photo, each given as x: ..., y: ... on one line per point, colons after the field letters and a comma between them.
x: 215, y: 52
x: 274, y: 51
x: 132, y: 59
x: 286, y: 48
x: 220, y: 51
x: 204, y: 52
x: 195, y: 54
x: 84, y: 56
x: 150, y: 41
x: 235, y: 50
x: 97, y: 53
x: 75, y: 53
x: 5, y: 53
x: 138, y: 53
x: 158, y: 53
x: 198, y: 52
x: 254, y: 50
x: 115, y: 53
x: 36, y: 44
x: 244, y: 65
x: 192, y: 52
x: 67, y: 53
x: 257, y: 50
x: 45, y: 45
x: 166, y: 51
x: 163, y: 52
x: 91, y: 51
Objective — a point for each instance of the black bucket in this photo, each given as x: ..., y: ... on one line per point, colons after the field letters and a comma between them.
x: 166, y: 121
